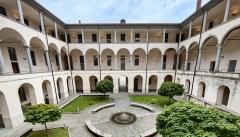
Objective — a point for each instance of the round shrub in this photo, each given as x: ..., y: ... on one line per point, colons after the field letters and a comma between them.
x: 104, y: 86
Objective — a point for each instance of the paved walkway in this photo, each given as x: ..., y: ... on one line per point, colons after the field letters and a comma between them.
x: 101, y: 120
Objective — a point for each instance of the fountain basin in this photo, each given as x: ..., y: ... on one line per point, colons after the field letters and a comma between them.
x: 123, y: 118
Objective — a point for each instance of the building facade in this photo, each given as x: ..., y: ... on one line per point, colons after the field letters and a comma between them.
x: 44, y: 60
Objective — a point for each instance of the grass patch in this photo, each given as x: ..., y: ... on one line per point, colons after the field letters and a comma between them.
x: 84, y: 102
x: 160, y: 101
x: 57, y: 132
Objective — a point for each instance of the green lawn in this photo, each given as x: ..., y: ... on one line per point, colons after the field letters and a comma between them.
x: 84, y: 102
x: 156, y: 100
x: 57, y: 132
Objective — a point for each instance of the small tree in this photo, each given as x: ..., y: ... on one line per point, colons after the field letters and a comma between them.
x: 104, y: 86
x: 171, y: 89
x: 186, y: 119
x: 43, y: 113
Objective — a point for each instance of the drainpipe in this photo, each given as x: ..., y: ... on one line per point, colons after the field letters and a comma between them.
x: 55, y: 89
x: 99, y: 56
x: 199, y: 43
x: 69, y: 61
x: 147, y: 61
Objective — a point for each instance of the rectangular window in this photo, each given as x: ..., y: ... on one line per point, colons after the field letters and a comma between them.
x: 82, y: 62
x: 26, y: 21
x: 95, y: 60
x: 137, y: 37
x: 166, y: 37
x: 188, y: 66
x: 164, y: 62
x: 109, y: 60
x: 3, y: 11
x: 80, y: 40
x: 94, y: 37
x: 109, y: 38
x: 136, y: 60
x: 212, y: 66
x: 232, y: 65
x: 123, y: 37
x: 57, y: 61
x: 183, y: 37
x: 68, y: 38
x: 177, y: 38
x: 33, y: 58
x: 12, y: 54
x: 210, y: 25
x: 22, y: 95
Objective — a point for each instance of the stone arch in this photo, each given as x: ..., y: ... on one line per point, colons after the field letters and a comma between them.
x: 154, y: 59
x: 4, y: 112
x: 108, y: 77
x: 230, y: 51
x: 64, y: 58
x: 53, y: 55
x: 187, y: 86
x: 60, y: 88
x: 168, y: 78
x: 123, y: 83
x: 37, y: 43
x: 38, y: 49
x: 27, y: 95
x: 8, y: 33
x: 223, y: 95
x: 226, y: 35
x: 182, y: 58
x: 15, y: 45
x: 201, y: 90
x: 138, y: 83
x: 152, y: 83
x: 93, y: 61
x: 79, y: 84
x: 209, y: 53
x: 139, y: 59
x: 47, y: 92
x: 77, y: 59
x: 169, y: 59
x: 93, y: 82
x: 123, y: 59
x: 108, y: 59
x: 192, y: 56
x: 69, y: 85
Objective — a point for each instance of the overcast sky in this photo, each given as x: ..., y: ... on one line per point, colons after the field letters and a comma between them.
x: 111, y: 11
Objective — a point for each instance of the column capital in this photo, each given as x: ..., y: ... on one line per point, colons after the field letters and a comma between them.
x: 219, y: 45
x: 26, y: 47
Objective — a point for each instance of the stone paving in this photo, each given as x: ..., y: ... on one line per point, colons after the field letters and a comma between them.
x: 101, y: 120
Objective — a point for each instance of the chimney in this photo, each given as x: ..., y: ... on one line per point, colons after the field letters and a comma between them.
x: 199, y: 4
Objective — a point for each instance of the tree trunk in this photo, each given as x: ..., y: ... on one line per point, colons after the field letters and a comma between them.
x: 46, y: 129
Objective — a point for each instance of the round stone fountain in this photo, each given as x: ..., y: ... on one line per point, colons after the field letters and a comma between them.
x: 123, y: 118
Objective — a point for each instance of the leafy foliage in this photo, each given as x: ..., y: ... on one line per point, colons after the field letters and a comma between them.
x: 185, y: 119
x: 42, y: 113
x: 171, y: 89
x: 104, y: 86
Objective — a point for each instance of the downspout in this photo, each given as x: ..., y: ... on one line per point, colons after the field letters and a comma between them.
x: 54, y: 84
x: 70, y: 67
x: 99, y: 56
x: 177, y: 61
x: 199, y: 43
x: 146, y: 74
